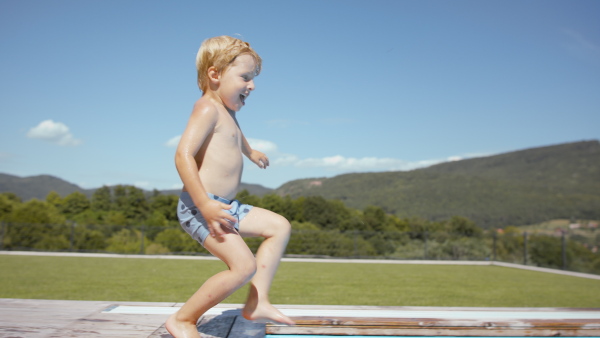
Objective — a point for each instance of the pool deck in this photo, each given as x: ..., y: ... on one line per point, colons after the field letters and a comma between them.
x: 59, y: 318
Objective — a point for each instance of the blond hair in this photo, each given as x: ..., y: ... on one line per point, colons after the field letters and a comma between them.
x: 220, y: 52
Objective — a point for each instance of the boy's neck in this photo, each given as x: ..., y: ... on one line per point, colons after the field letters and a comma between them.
x: 214, y: 97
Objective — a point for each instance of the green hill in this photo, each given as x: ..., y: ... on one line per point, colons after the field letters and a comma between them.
x: 516, y: 188
x: 40, y: 186
x: 36, y: 186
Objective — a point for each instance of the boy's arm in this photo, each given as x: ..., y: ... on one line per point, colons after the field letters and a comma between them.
x: 259, y: 158
x: 202, y: 122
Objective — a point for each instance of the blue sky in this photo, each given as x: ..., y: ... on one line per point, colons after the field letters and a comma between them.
x: 95, y: 92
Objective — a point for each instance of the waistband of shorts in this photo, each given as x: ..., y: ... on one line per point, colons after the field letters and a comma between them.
x: 185, y: 196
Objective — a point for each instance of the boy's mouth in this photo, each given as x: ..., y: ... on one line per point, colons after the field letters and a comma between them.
x: 243, y: 98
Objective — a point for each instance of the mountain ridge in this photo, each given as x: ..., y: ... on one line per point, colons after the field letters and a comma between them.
x: 512, y: 188
x: 39, y: 186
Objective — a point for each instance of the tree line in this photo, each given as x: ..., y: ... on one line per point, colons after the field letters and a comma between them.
x: 125, y: 219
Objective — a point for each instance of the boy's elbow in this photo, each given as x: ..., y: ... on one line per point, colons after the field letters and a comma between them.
x: 179, y: 158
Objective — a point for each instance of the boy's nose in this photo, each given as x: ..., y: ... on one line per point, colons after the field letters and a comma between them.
x: 251, y: 85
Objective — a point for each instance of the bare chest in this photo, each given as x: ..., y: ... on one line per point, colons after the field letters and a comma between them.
x: 228, y: 135
x: 226, y: 138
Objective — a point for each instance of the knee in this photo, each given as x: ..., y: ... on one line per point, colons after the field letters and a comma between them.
x: 283, y: 226
x: 245, y: 270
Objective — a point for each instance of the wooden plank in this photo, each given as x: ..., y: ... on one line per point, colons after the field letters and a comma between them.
x: 435, y: 332
x: 103, y: 325
x: 41, y: 318
x: 438, y: 327
x: 56, y: 318
x: 357, y: 321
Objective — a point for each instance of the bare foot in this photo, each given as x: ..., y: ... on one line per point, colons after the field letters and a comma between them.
x: 181, y: 329
x: 264, y: 313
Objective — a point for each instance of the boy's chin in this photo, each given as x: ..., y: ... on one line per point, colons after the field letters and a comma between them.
x: 234, y: 106
x: 234, y: 109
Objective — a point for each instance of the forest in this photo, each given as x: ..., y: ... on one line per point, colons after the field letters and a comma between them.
x: 126, y: 219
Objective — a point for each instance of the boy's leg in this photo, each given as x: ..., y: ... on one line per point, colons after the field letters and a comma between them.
x: 276, y: 231
x: 232, y: 250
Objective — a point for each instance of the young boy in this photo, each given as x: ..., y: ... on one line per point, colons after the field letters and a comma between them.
x: 209, y: 161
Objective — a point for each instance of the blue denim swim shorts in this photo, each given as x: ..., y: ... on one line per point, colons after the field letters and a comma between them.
x: 194, y: 224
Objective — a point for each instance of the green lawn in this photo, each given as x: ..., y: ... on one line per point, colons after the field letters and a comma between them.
x: 162, y: 280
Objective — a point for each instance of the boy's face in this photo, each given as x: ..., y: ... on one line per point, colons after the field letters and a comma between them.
x: 237, y: 81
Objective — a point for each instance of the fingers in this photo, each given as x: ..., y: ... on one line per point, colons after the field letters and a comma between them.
x: 217, y: 230
x: 221, y: 228
x: 214, y: 232
x: 223, y: 223
x: 227, y: 217
x: 263, y: 162
x: 260, y: 159
x: 218, y: 221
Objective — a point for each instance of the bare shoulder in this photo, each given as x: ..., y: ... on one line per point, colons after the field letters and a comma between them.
x: 205, y: 109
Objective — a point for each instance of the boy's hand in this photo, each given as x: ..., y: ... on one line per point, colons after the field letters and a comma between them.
x: 260, y: 159
x: 218, y: 221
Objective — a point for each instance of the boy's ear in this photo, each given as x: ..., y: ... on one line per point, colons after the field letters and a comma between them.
x: 213, y: 75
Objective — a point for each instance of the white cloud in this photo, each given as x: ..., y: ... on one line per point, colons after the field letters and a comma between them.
x: 173, y: 142
x: 262, y: 145
x: 340, y: 163
x: 286, y: 159
x: 54, y: 132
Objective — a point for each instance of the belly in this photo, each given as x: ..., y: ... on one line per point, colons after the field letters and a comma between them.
x: 221, y: 175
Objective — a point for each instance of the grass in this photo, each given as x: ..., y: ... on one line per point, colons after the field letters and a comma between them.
x: 161, y: 280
